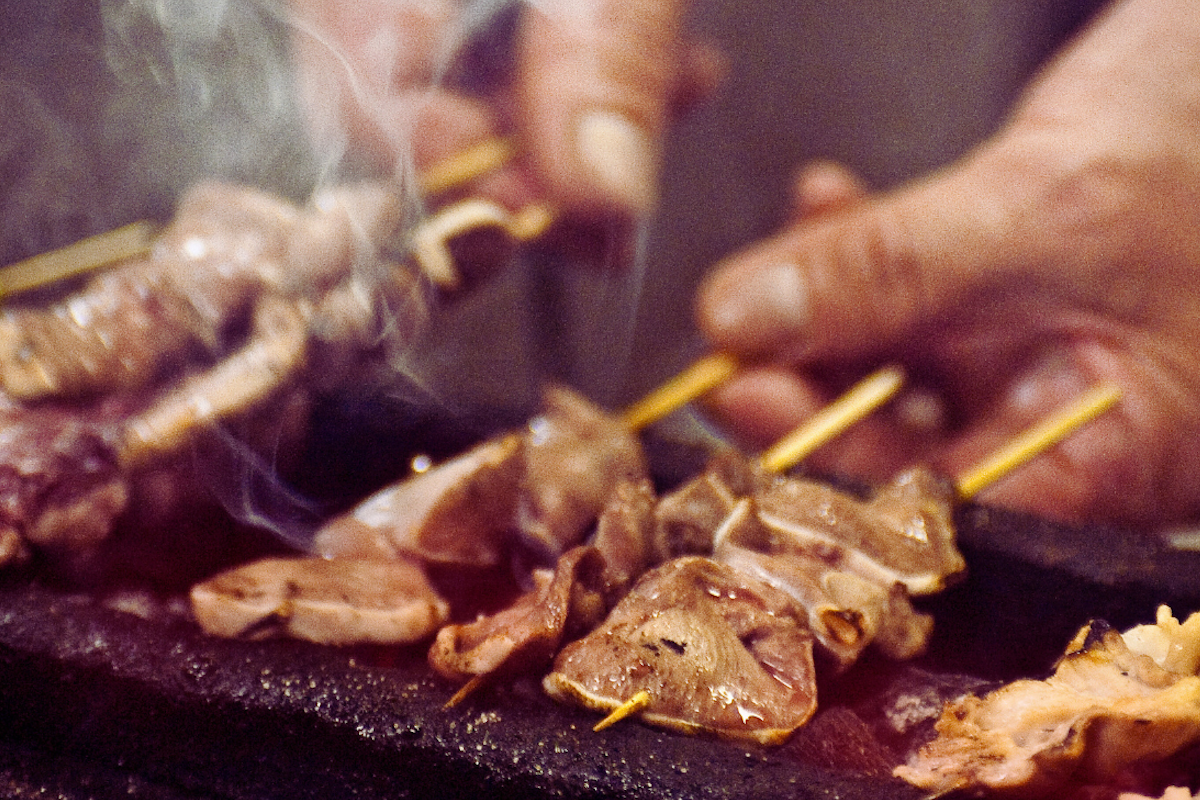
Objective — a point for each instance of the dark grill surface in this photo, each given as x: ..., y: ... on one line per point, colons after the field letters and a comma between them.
x: 98, y: 703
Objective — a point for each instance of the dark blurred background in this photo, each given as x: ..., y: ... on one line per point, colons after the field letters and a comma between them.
x: 113, y: 107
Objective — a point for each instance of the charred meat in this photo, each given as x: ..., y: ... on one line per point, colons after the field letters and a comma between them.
x: 1114, y: 702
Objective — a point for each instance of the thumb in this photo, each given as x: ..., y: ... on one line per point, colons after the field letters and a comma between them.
x: 596, y: 83
x: 859, y: 280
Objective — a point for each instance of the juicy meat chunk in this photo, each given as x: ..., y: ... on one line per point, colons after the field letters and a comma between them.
x: 904, y: 533
x: 686, y: 519
x: 61, y: 486
x: 623, y: 532
x: 846, y: 612
x: 718, y: 652
x: 1105, y: 708
x: 576, y: 455
x: 525, y: 636
x: 328, y: 601
x: 461, y: 512
x: 544, y: 485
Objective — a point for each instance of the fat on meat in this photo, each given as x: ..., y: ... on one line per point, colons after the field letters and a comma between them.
x: 904, y: 533
x: 846, y: 612
x: 719, y: 653
x: 1113, y: 702
x: 541, y: 487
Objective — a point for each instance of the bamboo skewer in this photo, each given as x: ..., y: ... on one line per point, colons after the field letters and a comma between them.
x: 705, y: 374
x: 631, y: 706
x: 862, y: 398
x: 867, y: 395
x: 1038, y: 438
x: 475, y: 161
x: 75, y: 259
x: 134, y: 239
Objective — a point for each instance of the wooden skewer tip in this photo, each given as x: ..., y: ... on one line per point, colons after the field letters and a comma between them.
x: 83, y: 256
x: 465, y: 691
x: 633, y: 705
x: 703, y: 375
x: 467, y: 165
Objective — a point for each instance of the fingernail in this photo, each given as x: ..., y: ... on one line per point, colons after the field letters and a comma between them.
x: 621, y: 156
x: 761, y: 306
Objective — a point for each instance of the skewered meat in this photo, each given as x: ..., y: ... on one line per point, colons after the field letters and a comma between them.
x: 227, y: 248
x: 242, y: 296
x: 904, y: 533
x: 479, y: 508
x: 623, y: 533
x: 718, y: 653
x: 461, y: 512
x: 329, y: 601
x: 687, y: 518
x: 846, y: 612
x: 851, y: 563
x: 1113, y: 701
x: 576, y: 456
x: 526, y: 635
x: 60, y: 483
x: 544, y: 486
x: 566, y: 601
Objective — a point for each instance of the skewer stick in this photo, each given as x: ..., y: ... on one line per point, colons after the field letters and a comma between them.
x: 74, y: 259
x: 1038, y: 438
x: 134, y: 239
x: 430, y: 241
x: 703, y: 375
x: 631, y: 706
x: 466, y: 690
x: 466, y: 165
x: 865, y: 396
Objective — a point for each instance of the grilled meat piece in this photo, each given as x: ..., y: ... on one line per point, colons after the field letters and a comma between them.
x: 543, y: 486
x: 565, y: 602
x: 525, y: 636
x: 1106, y: 708
x: 846, y: 612
x: 576, y: 455
x: 460, y: 512
x: 719, y: 653
x: 904, y: 533
x: 328, y: 601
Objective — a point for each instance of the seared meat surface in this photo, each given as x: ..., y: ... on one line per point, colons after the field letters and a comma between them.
x: 718, y: 652
x: 1112, y: 704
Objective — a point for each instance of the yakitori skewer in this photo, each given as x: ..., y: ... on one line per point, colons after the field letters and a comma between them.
x: 466, y: 165
x: 868, y: 394
x: 855, y: 404
x: 135, y: 238
x: 864, y: 397
x: 704, y: 374
x: 75, y: 259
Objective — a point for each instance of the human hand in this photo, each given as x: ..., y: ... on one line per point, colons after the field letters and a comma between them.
x: 1062, y: 253
x: 595, y: 83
